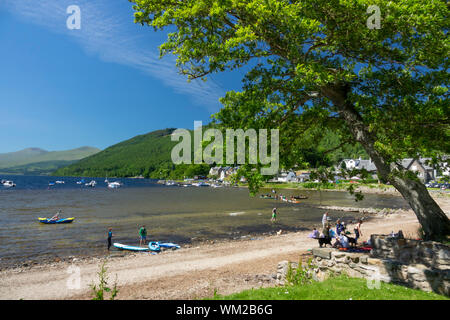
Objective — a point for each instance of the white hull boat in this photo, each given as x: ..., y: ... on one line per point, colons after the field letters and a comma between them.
x: 8, y: 184
x: 114, y: 185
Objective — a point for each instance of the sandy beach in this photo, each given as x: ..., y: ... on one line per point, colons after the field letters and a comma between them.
x: 187, y: 273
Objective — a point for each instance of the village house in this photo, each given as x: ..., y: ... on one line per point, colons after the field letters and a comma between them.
x: 223, y: 172
x: 285, y: 176
x: 425, y: 172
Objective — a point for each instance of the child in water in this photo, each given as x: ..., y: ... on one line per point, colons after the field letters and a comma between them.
x: 274, y: 215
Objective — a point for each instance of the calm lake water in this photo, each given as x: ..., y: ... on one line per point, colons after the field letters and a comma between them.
x: 170, y: 213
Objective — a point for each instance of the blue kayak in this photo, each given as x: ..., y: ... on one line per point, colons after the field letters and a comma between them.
x: 168, y: 245
x: 48, y: 221
x: 154, y: 246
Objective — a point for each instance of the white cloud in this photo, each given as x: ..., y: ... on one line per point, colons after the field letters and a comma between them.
x: 107, y: 31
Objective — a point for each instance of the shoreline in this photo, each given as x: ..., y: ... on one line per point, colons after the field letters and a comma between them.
x: 363, y: 188
x: 366, y: 213
x: 187, y: 273
x: 190, y: 272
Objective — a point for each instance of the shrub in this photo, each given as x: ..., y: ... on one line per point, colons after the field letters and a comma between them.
x: 99, y: 291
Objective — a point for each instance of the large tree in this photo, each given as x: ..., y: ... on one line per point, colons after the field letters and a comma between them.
x: 317, y: 64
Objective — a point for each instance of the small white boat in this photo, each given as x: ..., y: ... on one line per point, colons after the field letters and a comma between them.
x: 114, y: 185
x: 59, y: 182
x: 170, y: 183
x: 91, y: 184
x: 216, y: 186
x: 8, y: 184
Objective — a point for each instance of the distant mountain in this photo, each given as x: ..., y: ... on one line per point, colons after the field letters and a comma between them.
x: 39, y: 161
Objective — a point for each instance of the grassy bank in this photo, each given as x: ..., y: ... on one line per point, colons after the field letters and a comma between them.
x: 336, y: 288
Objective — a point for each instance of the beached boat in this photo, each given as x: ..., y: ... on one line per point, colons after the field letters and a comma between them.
x: 170, y: 183
x: 300, y: 197
x: 152, y: 246
x: 48, y: 221
x: 168, y: 245
x: 127, y: 247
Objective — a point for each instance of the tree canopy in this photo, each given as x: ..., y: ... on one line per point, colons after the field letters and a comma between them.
x: 315, y: 64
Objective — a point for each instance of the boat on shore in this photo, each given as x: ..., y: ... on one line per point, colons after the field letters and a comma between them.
x: 168, y: 245
x: 130, y: 248
x: 152, y: 246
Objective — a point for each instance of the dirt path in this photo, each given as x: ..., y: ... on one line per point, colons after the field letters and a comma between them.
x: 183, y: 274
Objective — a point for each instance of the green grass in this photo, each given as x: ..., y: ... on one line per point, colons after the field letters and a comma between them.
x: 336, y: 288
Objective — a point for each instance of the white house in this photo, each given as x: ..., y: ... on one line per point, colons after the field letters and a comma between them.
x: 287, y: 177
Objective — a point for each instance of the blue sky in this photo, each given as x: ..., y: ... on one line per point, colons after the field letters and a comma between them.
x: 97, y: 86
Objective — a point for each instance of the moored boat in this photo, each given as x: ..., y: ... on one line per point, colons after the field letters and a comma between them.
x: 48, y: 221
x: 8, y: 184
x: 114, y: 185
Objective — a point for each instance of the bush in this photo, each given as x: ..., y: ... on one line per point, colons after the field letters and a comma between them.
x: 301, y: 275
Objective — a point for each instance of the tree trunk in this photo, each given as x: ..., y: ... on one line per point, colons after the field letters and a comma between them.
x: 434, y: 221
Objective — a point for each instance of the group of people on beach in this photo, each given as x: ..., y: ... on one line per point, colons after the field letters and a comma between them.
x: 142, y: 236
x: 339, y: 233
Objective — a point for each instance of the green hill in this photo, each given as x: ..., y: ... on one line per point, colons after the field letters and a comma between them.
x: 148, y: 155
x: 36, y: 161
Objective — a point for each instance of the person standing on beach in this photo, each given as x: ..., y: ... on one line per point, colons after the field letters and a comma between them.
x: 109, y: 238
x: 142, y: 235
x: 325, y: 219
x: 274, y: 215
x: 339, y: 227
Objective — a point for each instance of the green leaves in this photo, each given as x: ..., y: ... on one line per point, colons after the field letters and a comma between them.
x: 297, y: 51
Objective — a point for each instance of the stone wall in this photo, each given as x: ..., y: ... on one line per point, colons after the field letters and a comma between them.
x: 429, y: 253
x: 412, y: 263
